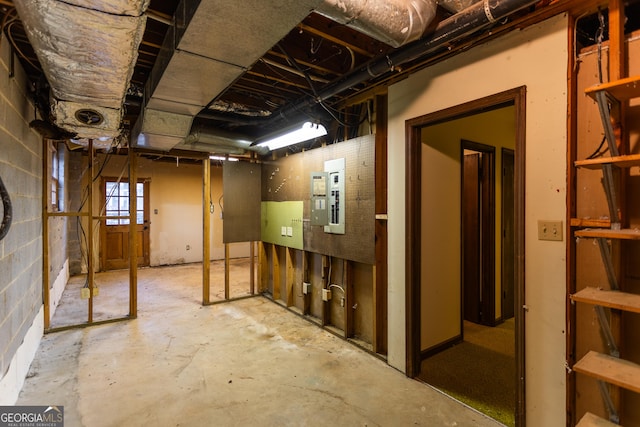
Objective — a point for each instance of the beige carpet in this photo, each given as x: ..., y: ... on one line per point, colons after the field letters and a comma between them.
x: 480, y: 371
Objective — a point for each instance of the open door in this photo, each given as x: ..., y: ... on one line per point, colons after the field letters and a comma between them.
x: 478, y: 237
x: 114, y: 230
x: 508, y: 277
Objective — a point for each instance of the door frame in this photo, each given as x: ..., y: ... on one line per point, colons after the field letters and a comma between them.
x: 487, y: 239
x: 506, y: 152
x: 144, y: 242
x: 413, y: 142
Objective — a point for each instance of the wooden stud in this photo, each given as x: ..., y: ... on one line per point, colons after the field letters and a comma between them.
x: 263, y: 267
x: 380, y: 269
x: 275, y: 262
x: 45, y: 233
x: 289, y: 276
x: 90, y: 272
x: 306, y: 308
x: 226, y: 271
x: 349, y: 298
x: 252, y: 266
x: 326, y: 281
x: 206, y: 231
x: 133, y: 234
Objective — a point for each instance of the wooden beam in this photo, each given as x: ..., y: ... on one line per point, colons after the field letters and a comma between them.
x: 90, y: 272
x: 252, y: 266
x: 45, y: 233
x: 133, y: 234
x: 350, y: 299
x: 289, y: 275
x: 380, y: 269
x: 263, y: 267
x: 326, y: 308
x: 275, y: 262
x: 206, y: 231
x: 227, y: 293
x: 306, y: 305
x: 335, y: 40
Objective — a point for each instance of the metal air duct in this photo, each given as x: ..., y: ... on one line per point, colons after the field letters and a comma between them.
x: 455, y: 6
x: 209, y: 46
x: 394, y: 22
x: 87, y: 49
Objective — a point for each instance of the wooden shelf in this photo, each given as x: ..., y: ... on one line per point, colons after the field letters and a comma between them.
x: 622, y: 89
x: 624, y: 234
x: 610, y: 369
x: 590, y: 420
x: 612, y: 299
x: 626, y: 161
x: 590, y: 222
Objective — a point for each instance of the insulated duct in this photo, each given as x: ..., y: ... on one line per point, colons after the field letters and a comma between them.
x: 395, y: 22
x: 87, y: 50
x: 208, y: 47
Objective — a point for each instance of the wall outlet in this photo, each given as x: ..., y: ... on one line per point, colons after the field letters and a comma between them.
x: 306, y: 288
x: 326, y: 294
x: 84, y: 293
x: 550, y: 230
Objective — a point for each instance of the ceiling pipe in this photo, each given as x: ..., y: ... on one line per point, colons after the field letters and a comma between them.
x: 452, y: 29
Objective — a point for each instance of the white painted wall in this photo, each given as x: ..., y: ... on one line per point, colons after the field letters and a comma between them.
x: 176, y: 196
x: 536, y: 57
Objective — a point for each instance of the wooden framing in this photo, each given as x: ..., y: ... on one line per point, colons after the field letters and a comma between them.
x: 133, y: 234
x: 380, y: 269
x: 413, y: 127
x: 206, y: 231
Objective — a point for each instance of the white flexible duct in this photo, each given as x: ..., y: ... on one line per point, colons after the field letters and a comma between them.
x: 455, y: 6
x: 395, y: 22
x: 87, y: 49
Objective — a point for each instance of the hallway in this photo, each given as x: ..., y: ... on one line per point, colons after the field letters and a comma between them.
x: 248, y: 362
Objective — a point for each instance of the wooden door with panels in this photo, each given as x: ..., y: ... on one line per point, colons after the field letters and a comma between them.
x: 114, y: 230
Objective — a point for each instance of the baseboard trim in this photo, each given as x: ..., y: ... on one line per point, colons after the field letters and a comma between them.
x: 440, y: 347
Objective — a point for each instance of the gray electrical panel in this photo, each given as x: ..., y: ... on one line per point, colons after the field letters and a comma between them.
x: 319, y: 198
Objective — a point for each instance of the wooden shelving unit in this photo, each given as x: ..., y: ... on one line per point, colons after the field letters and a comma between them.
x: 609, y: 368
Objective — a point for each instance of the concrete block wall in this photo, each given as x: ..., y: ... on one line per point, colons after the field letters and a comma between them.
x: 21, y: 249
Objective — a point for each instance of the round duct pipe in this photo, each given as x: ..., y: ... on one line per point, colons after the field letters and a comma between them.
x: 394, y: 22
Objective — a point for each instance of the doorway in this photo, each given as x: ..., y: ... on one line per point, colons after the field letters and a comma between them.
x: 418, y: 277
x: 478, y: 236
x: 114, y: 230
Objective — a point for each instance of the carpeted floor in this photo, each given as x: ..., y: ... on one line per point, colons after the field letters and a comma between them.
x: 480, y: 371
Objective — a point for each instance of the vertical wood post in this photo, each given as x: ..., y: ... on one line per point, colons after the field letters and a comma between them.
x: 226, y: 272
x: 45, y: 234
x: 350, y: 299
x: 90, y: 272
x: 133, y: 234
x: 206, y: 231
x: 276, y: 272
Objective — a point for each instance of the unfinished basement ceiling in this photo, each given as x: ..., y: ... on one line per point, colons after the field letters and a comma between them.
x: 212, y: 76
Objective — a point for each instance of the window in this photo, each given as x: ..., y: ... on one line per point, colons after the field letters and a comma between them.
x: 56, y: 163
x: 118, y: 202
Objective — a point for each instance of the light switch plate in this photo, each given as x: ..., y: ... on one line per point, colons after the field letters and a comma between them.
x: 550, y: 230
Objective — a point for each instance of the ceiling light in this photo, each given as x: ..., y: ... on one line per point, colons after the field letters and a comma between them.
x: 222, y: 158
x: 299, y: 134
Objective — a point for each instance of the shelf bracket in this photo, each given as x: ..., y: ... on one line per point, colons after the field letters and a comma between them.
x: 605, y: 328
x: 605, y: 254
x: 608, y: 402
x: 603, y: 105
x: 610, y: 191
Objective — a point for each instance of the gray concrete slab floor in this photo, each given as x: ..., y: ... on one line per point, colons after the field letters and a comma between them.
x: 246, y: 362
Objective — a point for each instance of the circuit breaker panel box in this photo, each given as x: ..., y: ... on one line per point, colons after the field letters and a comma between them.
x: 319, y: 198
x: 336, y: 195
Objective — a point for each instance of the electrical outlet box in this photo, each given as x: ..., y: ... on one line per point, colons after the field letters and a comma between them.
x: 84, y: 293
x: 550, y: 230
x: 306, y: 288
x: 326, y: 294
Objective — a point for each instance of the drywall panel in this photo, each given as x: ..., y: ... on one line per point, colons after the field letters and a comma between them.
x: 282, y: 223
x: 242, y: 193
x: 288, y: 179
x: 535, y: 57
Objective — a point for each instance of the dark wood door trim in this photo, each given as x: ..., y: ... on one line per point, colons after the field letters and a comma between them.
x: 516, y: 97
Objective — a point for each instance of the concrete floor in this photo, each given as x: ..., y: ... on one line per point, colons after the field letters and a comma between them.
x: 247, y: 362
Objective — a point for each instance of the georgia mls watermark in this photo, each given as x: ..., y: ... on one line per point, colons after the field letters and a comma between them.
x: 31, y: 416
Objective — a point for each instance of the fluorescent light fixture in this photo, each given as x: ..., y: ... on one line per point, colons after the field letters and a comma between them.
x: 306, y: 132
x: 222, y: 158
